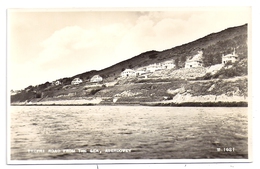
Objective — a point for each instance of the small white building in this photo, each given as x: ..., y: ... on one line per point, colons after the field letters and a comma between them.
x: 96, y: 79
x: 56, y: 83
x: 229, y: 57
x: 128, y: 73
x: 140, y: 71
x: 168, y: 64
x: 195, y: 61
x: 154, y: 67
x: 76, y: 81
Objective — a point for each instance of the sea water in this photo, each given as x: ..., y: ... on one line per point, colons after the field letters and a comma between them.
x: 127, y: 132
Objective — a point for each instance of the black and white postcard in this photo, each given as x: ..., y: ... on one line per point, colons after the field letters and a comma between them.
x: 141, y: 85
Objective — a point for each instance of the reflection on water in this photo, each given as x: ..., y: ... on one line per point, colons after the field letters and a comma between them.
x: 71, y: 132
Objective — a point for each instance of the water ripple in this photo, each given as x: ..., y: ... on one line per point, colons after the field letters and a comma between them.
x: 150, y: 132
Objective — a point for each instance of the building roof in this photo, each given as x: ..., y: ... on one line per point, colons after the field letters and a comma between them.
x: 230, y: 55
x: 96, y: 76
x: 167, y: 62
x: 76, y: 78
x: 233, y: 54
x: 129, y: 70
x: 193, y: 60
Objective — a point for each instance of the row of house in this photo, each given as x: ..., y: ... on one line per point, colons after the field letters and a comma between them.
x: 160, y: 66
x: 94, y: 79
x: 196, y: 61
x: 75, y: 81
x: 148, y: 69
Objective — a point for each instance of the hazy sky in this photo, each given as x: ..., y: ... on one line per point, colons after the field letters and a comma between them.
x: 47, y: 45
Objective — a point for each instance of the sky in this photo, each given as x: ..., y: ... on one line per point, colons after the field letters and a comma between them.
x: 45, y: 45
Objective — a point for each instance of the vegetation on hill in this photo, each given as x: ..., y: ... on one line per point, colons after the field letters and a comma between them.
x: 213, y: 47
x: 239, y: 68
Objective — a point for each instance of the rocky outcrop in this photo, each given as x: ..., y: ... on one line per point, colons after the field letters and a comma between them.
x: 211, y: 87
x: 78, y: 101
x: 174, y: 92
x: 214, y: 69
x: 186, y: 97
x: 186, y: 73
x: 127, y: 93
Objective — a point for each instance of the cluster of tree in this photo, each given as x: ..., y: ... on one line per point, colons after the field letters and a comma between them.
x: 213, y: 54
x: 66, y: 81
x: 23, y: 96
x: 239, y: 68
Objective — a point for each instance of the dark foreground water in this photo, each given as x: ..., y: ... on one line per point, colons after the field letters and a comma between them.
x: 122, y: 132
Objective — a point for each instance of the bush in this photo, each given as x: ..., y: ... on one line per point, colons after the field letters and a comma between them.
x: 207, y: 76
x: 38, y: 95
x: 23, y: 96
x: 237, y: 69
x: 153, y: 56
x: 94, y: 91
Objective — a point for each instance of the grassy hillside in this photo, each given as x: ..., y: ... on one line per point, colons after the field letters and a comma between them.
x: 213, y: 46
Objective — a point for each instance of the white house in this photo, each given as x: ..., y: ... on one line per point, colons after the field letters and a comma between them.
x: 56, y: 83
x: 229, y: 57
x: 154, y: 67
x: 168, y: 64
x: 195, y: 61
x: 128, y: 73
x: 140, y: 71
x: 76, y: 81
x: 96, y: 79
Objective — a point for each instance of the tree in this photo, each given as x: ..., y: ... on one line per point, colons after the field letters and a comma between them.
x: 207, y: 59
x: 183, y: 58
x: 176, y: 62
x: 130, y: 66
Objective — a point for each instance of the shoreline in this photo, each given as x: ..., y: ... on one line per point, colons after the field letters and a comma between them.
x: 152, y: 104
x: 200, y: 104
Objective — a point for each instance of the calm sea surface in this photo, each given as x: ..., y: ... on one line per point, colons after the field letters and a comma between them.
x: 92, y: 132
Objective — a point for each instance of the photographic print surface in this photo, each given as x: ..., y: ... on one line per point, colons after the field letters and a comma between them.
x: 129, y: 85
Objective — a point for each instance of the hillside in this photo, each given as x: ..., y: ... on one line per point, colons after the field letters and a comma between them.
x: 158, y: 85
x: 214, y: 45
